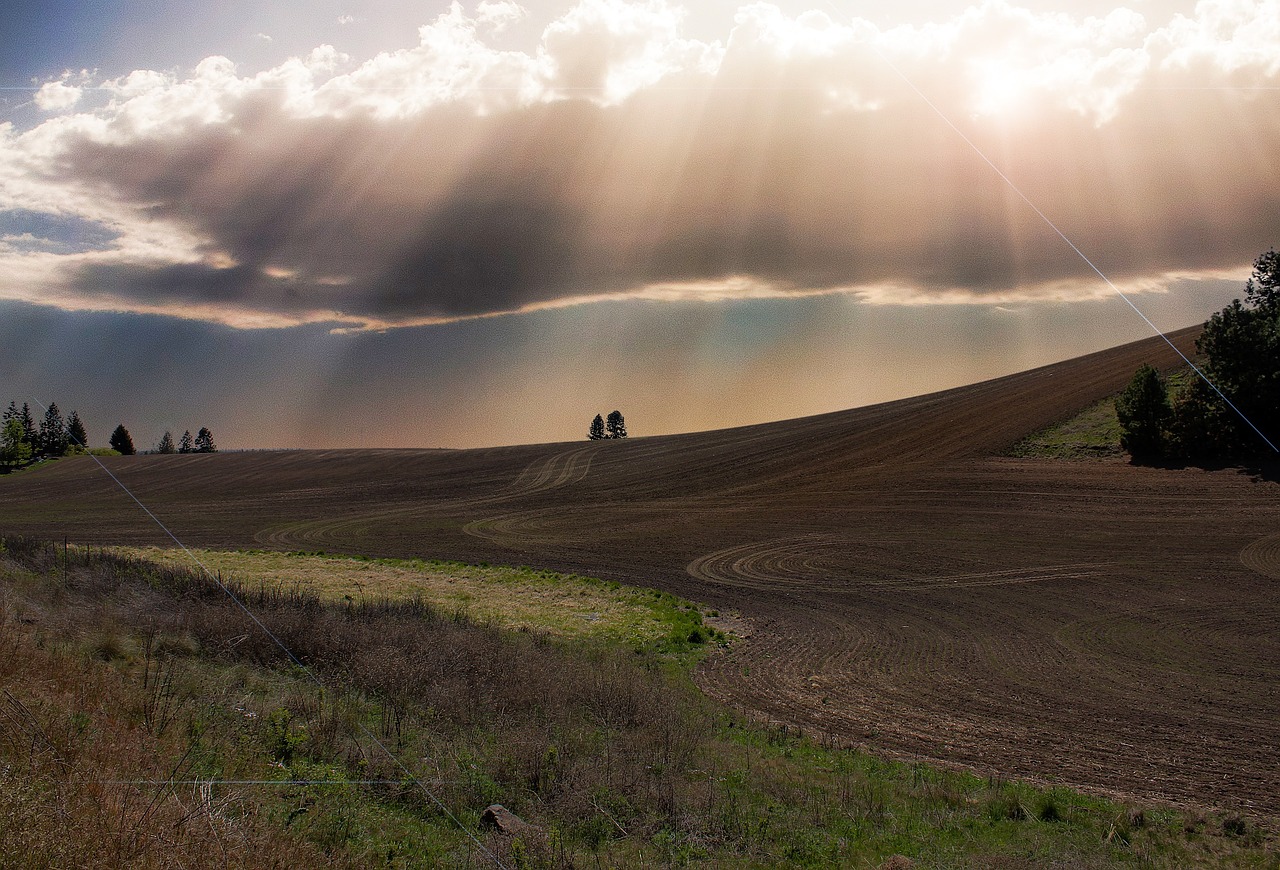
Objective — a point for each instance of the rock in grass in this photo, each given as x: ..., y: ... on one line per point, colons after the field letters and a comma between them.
x: 507, y: 822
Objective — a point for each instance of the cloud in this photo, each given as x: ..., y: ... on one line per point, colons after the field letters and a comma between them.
x: 499, y: 15
x: 346, y: 19
x: 619, y: 158
x: 57, y: 96
x: 263, y: 37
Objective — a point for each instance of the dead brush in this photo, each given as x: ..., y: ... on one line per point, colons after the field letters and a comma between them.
x: 103, y: 776
x: 162, y: 703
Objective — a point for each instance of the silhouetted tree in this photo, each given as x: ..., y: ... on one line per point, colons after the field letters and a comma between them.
x: 15, y: 451
x: 29, y: 426
x: 75, y: 431
x: 596, y: 432
x: 166, y: 444
x: 1262, y: 290
x: 185, y: 446
x: 1144, y: 413
x: 121, y: 441
x: 204, y: 442
x: 53, y: 433
x: 1197, y: 429
x: 615, y: 426
x: 1241, y: 344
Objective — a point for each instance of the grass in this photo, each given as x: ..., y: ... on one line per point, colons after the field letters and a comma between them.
x: 1094, y: 433
x: 515, y: 598
x: 121, y: 679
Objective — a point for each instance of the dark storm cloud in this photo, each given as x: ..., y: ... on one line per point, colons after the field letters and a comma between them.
x: 754, y: 173
x: 561, y: 202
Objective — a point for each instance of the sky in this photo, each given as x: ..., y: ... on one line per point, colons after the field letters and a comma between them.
x: 430, y: 224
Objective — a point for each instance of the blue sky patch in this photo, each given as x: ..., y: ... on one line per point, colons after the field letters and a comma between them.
x: 37, y: 231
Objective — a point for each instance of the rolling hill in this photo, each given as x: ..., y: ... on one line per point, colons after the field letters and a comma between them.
x: 902, y: 584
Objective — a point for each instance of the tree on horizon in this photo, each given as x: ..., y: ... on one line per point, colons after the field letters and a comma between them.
x: 185, y: 446
x: 596, y: 432
x: 166, y: 444
x: 15, y: 452
x: 1241, y: 349
x: 29, y: 426
x: 1241, y: 345
x: 615, y: 426
x: 53, y: 433
x: 12, y: 414
x: 204, y: 441
x: 122, y: 442
x: 76, y: 433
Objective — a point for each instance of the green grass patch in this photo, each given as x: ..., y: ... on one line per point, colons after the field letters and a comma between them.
x: 1094, y: 433
x: 566, y: 606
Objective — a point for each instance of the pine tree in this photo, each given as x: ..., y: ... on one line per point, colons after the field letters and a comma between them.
x: 121, y: 441
x: 29, y: 426
x: 596, y: 432
x: 53, y: 433
x: 166, y: 444
x: 12, y: 414
x: 615, y: 427
x: 204, y: 442
x: 15, y: 452
x: 184, y: 446
x: 75, y: 432
x: 1144, y: 413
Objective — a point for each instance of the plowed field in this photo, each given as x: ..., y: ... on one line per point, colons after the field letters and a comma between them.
x: 1093, y: 623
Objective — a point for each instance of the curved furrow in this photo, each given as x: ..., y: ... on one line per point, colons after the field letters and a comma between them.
x: 1263, y: 555
x: 542, y: 475
x: 823, y: 561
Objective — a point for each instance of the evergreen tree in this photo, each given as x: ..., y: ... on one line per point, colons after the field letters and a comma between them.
x: 615, y: 426
x: 166, y: 444
x: 11, y: 413
x: 1197, y: 430
x: 75, y: 432
x: 185, y: 446
x: 29, y: 426
x: 1241, y: 347
x: 53, y: 433
x: 121, y: 441
x: 204, y: 442
x: 1144, y: 413
x: 596, y: 432
x: 15, y: 452
x: 1262, y: 290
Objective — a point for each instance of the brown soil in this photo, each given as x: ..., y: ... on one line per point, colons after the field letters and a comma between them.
x: 1102, y: 625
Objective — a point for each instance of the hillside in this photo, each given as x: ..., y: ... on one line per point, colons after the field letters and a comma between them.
x: 904, y: 587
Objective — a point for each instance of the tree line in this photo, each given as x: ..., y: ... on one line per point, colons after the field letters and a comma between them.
x: 202, y: 443
x: 1240, y: 350
x: 22, y: 442
x: 614, y: 427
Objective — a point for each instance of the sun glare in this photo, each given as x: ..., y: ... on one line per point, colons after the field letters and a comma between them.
x: 1000, y: 89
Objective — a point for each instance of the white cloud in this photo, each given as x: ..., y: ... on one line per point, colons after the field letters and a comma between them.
x: 607, y: 50
x: 57, y: 96
x: 500, y: 14
x: 346, y: 19
x: 263, y: 37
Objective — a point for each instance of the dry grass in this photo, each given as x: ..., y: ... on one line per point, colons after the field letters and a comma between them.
x: 114, y: 668
x: 514, y: 598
